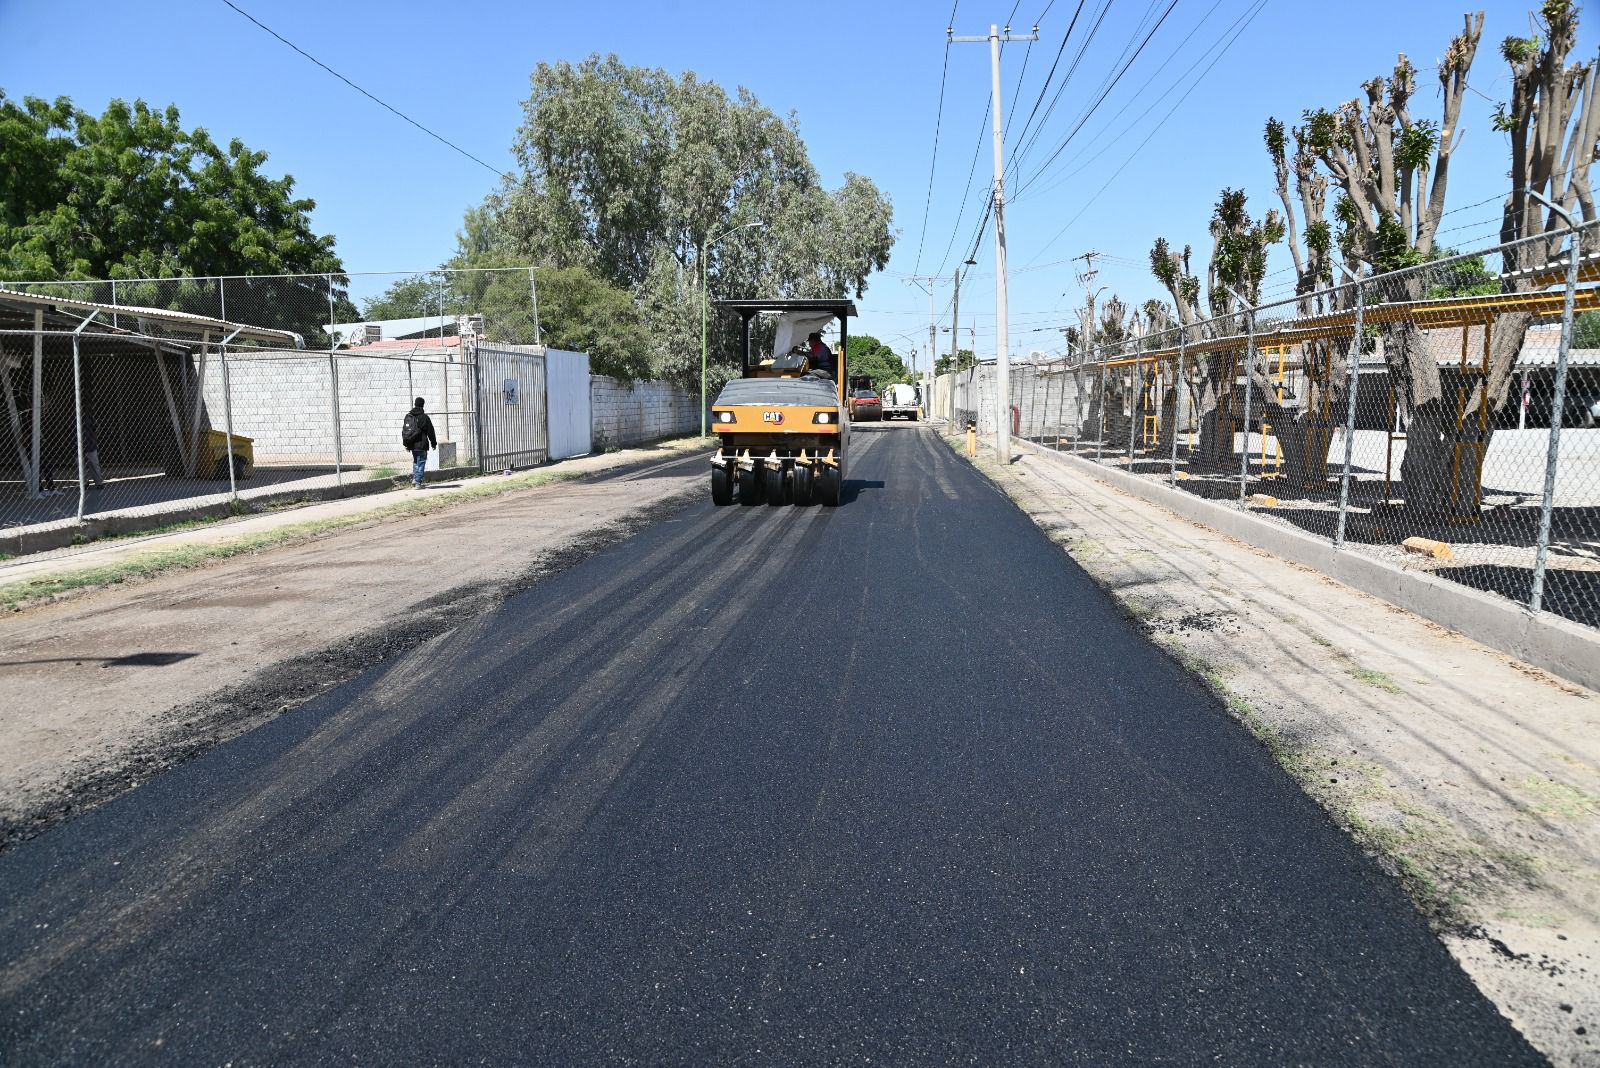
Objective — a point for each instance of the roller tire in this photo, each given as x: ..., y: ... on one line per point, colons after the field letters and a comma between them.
x: 829, y: 487
x: 749, y: 487
x: 804, y: 485
x: 776, y: 497
x: 721, y: 486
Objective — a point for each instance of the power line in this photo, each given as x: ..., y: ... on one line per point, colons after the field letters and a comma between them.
x: 442, y: 140
x: 938, y: 121
x: 1155, y: 129
x: 1083, y: 165
x: 967, y: 192
x: 1101, y: 99
x: 1049, y: 75
x: 1023, y: 148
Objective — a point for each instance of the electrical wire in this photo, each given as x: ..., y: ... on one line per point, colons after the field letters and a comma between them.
x: 1155, y: 129
x: 1101, y: 99
x: 1125, y: 130
x: 967, y: 192
x: 386, y: 106
x: 1048, y: 78
x: 938, y: 122
x: 1024, y: 146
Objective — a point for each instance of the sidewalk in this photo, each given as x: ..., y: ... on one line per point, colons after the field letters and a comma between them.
x: 112, y: 551
x: 245, y: 620
x: 1472, y: 777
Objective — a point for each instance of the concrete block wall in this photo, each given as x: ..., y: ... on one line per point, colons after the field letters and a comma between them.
x: 285, y: 403
x: 635, y: 413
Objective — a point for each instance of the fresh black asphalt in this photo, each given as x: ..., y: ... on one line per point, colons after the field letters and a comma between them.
x: 888, y: 783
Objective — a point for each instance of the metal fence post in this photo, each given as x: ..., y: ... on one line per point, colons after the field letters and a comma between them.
x: 1249, y: 363
x: 333, y: 383
x: 1352, y: 385
x: 338, y: 436
x: 1134, y: 408
x: 1100, y: 438
x: 227, y: 424
x: 1177, y: 386
x: 77, y: 405
x: 1557, y: 403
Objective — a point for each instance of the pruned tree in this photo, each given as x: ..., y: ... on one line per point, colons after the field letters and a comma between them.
x: 1393, y: 171
x: 1313, y: 262
x: 1238, y: 262
x: 1553, y: 124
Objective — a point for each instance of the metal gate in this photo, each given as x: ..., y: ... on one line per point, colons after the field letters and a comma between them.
x: 567, y: 378
x: 512, y: 426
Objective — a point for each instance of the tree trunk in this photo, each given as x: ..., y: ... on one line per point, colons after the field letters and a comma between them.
x: 1216, y: 443
x: 1303, y: 426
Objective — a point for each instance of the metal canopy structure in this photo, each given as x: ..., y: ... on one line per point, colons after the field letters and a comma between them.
x: 36, y: 329
x: 840, y: 307
x: 176, y: 323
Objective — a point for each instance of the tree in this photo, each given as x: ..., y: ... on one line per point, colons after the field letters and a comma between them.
x: 866, y: 355
x: 131, y: 194
x: 1238, y: 262
x: 1393, y: 172
x: 963, y: 359
x: 631, y: 173
x: 408, y: 298
x: 1313, y: 265
x: 583, y: 313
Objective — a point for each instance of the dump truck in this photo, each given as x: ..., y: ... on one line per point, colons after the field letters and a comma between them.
x: 782, y: 432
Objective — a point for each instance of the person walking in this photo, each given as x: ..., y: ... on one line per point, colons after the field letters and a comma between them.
x: 91, y: 453
x: 416, y: 434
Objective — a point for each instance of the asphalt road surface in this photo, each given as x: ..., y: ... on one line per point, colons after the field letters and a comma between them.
x: 893, y: 782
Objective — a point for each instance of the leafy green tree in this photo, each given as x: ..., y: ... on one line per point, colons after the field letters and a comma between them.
x: 581, y: 312
x: 866, y: 355
x: 405, y: 299
x: 641, y: 179
x: 1586, y: 331
x: 132, y: 194
x: 964, y: 359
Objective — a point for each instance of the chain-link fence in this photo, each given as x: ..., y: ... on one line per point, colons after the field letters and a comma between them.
x: 1460, y: 434
x: 132, y: 404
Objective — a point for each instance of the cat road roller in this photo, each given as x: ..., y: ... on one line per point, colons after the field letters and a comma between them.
x: 782, y: 434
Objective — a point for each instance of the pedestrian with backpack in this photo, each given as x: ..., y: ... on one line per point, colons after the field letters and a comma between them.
x: 416, y: 434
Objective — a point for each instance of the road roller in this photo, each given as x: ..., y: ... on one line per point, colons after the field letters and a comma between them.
x: 782, y: 434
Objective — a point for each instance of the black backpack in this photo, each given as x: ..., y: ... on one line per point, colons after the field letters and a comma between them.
x: 411, y: 429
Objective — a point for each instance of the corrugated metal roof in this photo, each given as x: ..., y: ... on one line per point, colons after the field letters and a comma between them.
x: 196, y: 325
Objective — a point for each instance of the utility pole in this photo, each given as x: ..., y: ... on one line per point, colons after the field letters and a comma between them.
x: 933, y: 329
x: 1086, y: 279
x: 1002, y: 342
x: 955, y: 324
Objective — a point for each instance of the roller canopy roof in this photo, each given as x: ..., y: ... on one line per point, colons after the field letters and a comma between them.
x: 837, y: 305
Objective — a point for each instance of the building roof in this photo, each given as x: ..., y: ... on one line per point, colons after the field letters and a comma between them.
x: 175, y: 322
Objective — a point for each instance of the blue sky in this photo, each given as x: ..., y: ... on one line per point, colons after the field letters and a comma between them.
x: 864, y: 79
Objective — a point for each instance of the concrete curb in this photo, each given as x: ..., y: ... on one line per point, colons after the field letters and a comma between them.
x: 1547, y: 641
x: 94, y: 528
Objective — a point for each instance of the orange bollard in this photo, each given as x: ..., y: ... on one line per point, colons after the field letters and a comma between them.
x: 972, y: 440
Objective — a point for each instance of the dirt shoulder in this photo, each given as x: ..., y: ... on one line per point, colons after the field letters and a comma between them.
x: 157, y: 651
x: 1472, y: 777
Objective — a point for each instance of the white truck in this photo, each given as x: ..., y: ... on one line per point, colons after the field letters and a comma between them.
x: 900, y: 401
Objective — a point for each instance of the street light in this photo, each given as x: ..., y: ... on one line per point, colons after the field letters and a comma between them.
x: 705, y: 307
